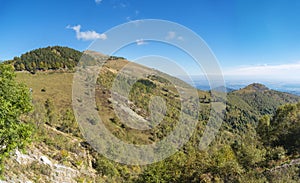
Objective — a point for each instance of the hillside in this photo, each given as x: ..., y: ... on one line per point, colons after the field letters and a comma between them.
x: 50, y: 58
x: 53, y: 58
x: 264, y: 100
x: 248, y: 104
x: 59, y: 153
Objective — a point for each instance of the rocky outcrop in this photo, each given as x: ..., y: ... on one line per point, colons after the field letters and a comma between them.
x: 51, y: 170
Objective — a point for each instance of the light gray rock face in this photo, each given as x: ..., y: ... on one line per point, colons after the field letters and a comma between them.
x: 46, y: 161
x: 58, y: 173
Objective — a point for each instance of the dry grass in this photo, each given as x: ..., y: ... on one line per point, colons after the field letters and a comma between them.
x: 55, y: 86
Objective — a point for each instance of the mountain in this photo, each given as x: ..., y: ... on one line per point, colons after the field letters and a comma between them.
x: 52, y: 58
x: 264, y: 100
x: 60, y: 153
x: 253, y: 101
x: 255, y: 87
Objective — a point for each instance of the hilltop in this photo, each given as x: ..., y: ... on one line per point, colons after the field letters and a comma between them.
x: 250, y: 103
x: 238, y: 154
x: 51, y: 58
x: 255, y: 87
x: 263, y: 99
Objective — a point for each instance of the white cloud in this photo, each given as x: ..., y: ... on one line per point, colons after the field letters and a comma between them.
x: 128, y: 19
x: 172, y: 35
x: 290, y: 70
x: 87, y: 35
x: 140, y: 42
x: 180, y: 38
x: 98, y: 1
x: 133, y: 17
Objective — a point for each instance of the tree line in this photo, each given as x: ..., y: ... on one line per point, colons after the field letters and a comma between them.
x: 50, y: 58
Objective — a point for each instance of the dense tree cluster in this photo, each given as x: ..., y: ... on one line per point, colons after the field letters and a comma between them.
x: 283, y: 129
x: 53, y: 58
x: 116, y: 58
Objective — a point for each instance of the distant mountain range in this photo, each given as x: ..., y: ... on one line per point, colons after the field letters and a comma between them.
x: 231, y: 85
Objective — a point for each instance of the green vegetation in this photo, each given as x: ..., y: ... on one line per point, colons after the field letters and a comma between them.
x: 258, y: 141
x: 15, y: 101
x: 263, y: 100
x: 283, y: 129
x: 249, y: 104
x: 49, y: 58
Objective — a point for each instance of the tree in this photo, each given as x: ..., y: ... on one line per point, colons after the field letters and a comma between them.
x: 263, y: 129
x: 22, y: 67
x: 225, y: 164
x: 50, y: 111
x: 169, y: 170
x: 250, y: 151
x: 15, y: 101
x: 285, y: 128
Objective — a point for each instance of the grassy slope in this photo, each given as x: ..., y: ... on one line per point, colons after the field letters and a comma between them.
x: 57, y: 87
x: 56, y: 139
x: 245, y: 105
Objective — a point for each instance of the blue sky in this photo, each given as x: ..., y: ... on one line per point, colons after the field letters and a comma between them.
x: 247, y: 36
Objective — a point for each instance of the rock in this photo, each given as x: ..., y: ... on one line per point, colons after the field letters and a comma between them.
x: 23, y: 158
x: 45, y: 160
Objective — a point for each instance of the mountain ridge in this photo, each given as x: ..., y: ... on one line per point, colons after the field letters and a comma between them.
x: 59, y: 140
x: 256, y: 87
x: 53, y: 58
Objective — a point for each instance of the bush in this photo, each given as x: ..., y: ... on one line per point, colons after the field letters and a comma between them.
x: 15, y: 101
